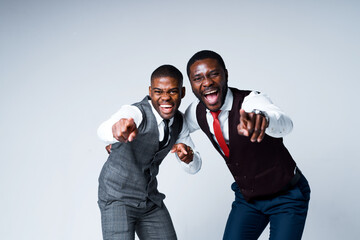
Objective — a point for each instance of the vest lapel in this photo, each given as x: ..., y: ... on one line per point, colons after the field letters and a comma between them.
x: 201, y: 118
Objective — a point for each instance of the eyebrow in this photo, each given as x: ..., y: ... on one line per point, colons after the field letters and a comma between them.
x: 175, y: 88
x: 213, y: 70
x: 197, y: 75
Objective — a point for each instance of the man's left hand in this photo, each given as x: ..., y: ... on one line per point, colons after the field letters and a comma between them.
x: 108, y: 148
x: 184, y: 152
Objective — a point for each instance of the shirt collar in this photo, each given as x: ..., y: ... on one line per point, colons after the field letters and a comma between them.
x: 228, y: 101
x: 158, y: 118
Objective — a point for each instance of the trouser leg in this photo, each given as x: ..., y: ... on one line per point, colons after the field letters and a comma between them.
x: 156, y: 224
x: 115, y: 222
x: 288, y: 212
x: 245, y: 222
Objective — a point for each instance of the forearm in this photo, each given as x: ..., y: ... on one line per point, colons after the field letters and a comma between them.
x: 104, y: 132
x: 194, y: 166
x: 279, y: 123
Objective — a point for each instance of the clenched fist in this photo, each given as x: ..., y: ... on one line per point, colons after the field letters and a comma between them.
x: 125, y: 130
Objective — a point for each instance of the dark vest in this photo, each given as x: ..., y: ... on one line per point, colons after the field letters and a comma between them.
x: 260, y: 169
x: 129, y: 174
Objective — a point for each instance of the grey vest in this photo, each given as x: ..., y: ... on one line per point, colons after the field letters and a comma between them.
x: 129, y: 174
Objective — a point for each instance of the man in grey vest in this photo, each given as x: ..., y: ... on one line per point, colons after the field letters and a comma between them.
x: 246, y: 128
x: 142, y: 135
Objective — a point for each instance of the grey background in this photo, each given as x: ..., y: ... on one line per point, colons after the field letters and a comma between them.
x: 66, y: 66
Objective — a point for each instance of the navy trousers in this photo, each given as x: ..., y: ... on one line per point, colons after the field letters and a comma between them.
x: 286, y: 214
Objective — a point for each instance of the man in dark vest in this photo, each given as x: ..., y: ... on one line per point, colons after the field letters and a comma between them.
x: 246, y: 128
x: 142, y: 135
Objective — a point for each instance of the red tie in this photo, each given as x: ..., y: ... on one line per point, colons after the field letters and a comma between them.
x: 218, y: 133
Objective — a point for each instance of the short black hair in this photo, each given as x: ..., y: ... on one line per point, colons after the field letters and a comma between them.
x: 203, y: 55
x: 168, y: 71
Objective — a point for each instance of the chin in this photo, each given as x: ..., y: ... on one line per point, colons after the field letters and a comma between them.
x: 214, y: 108
x: 211, y: 107
x: 167, y: 116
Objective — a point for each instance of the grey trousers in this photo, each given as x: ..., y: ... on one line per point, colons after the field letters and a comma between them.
x: 120, y: 222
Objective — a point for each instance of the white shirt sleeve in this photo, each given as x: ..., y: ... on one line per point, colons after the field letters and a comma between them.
x: 279, y: 123
x: 190, y: 117
x: 104, y: 131
x: 184, y: 137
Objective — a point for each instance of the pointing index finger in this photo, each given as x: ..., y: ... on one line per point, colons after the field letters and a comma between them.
x: 243, y: 114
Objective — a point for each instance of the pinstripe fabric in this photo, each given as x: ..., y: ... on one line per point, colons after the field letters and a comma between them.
x: 128, y: 196
x: 120, y: 222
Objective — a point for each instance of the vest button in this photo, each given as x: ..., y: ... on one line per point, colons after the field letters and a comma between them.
x: 244, y: 177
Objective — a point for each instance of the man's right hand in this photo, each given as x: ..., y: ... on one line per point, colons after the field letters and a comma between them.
x: 252, y: 125
x: 125, y: 130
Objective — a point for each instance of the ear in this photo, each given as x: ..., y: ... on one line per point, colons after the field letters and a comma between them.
x: 183, y: 92
x: 226, y: 74
x: 150, y: 91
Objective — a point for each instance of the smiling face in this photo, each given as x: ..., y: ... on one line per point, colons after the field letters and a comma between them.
x: 209, y: 82
x: 166, y: 94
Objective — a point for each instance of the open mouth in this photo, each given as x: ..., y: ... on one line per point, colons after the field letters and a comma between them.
x: 166, y: 108
x: 211, y: 96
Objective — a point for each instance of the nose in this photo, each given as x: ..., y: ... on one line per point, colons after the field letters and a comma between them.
x: 165, y: 96
x: 207, y: 81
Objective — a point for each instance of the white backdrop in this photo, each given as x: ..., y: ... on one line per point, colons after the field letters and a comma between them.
x: 65, y: 66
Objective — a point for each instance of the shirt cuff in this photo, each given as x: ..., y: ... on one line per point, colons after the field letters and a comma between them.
x: 279, y: 125
x: 194, y: 166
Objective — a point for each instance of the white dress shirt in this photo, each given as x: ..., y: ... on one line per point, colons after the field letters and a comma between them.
x: 279, y: 123
x: 129, y: 111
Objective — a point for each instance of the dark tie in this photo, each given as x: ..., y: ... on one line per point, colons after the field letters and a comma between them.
x: 218, y: 134
x: 166, y: 133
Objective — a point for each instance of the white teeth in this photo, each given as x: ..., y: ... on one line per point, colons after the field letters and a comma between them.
x: 165, y: 106
x: 213, y: 91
